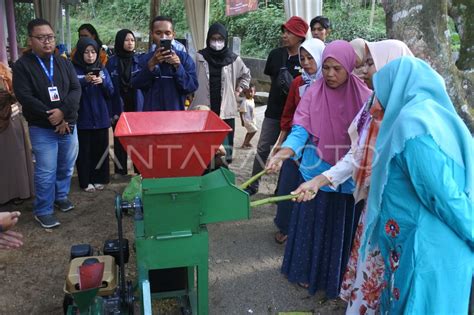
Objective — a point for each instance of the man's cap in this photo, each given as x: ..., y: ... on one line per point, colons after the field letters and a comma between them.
x: 297, y: 26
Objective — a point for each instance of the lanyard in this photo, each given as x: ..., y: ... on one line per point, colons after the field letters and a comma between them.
x: 49, y: 73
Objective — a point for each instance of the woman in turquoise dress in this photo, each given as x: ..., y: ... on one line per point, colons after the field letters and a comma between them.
x: 420, y: 207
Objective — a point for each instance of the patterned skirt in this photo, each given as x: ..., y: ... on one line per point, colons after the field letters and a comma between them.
x: 363, y: 280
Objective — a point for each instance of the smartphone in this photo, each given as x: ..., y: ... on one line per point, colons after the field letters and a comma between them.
x: 94, y: 71
x: 166, y: 44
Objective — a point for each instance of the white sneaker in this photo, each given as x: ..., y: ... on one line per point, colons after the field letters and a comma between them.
x: 90, y: 188
x: 99, y: 186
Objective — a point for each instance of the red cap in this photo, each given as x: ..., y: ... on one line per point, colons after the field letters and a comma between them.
x: 297, y: 26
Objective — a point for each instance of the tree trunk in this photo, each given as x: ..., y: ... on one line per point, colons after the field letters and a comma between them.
x: 462, y: 13
x: 423, y: 26
x: 154, y: 11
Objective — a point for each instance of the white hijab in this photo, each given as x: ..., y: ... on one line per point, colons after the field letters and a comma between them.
x: 387, y: 50
x: 315, y: 48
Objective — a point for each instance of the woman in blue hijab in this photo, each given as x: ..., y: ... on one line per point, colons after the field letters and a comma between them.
x: 420, y: 207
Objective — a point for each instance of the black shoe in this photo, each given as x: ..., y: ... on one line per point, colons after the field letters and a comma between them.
x: 64, y: 205
x: 47, y: 221
x: 251, y: 190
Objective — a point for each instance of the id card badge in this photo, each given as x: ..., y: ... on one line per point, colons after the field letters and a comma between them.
x: 53, y: 94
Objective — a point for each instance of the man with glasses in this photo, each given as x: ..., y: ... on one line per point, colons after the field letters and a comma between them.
x: 47, y: 87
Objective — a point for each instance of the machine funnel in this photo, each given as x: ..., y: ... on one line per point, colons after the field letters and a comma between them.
x: 171, y: 143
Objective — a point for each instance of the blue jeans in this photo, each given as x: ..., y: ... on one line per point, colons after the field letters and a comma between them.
x: 55, y: 156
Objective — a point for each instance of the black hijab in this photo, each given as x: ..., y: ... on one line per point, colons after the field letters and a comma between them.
x: 125, y: 58
x: 218, y: 58
x: 81, y: 46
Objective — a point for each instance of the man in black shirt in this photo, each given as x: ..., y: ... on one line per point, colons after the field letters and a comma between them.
x: 293, y: 34
x: 47, y: 87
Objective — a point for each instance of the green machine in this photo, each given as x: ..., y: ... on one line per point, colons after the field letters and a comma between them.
x: 171, y: 150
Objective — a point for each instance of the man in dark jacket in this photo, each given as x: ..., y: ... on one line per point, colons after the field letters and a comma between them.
x: 166, y: 75
x: 48, y: 90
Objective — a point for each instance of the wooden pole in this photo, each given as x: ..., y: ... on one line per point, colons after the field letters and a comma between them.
x: 372, y: 13
x: 154, y: 11
x: 10, y: 14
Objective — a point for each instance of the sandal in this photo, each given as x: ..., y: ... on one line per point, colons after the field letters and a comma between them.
x: 99, y: 186
x: 90, y: 188
x: 280, y: 238
x: 303, y: 285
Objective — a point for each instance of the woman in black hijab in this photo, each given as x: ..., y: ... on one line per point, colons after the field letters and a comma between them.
x: 122, y: 66
x: 222, y: 75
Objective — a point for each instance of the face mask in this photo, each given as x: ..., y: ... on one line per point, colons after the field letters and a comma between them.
x: 217, y: 44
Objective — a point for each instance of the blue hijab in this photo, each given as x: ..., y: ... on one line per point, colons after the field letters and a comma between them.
x: 416, y: 103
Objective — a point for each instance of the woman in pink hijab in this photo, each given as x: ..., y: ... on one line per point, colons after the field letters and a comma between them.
x: 321, y: 230
x: 363, y: 280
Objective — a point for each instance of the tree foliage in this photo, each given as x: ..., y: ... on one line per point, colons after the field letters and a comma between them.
x: 350, y: 20
x: 259, y: 30
x: 24, y: 12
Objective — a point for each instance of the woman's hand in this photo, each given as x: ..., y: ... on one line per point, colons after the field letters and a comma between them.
x: 89, y: 77
x: 309, y: 189
x: 8, y: 220
x: 274, y: 164
x: 10, y: 240
x: 97, y: 80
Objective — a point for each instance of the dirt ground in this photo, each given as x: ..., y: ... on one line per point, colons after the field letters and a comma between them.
x: 244, y: 260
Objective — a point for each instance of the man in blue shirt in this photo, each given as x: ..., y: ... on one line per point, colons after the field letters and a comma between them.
x: 166, y: 75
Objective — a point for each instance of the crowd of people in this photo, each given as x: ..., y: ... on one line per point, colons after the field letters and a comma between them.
x: 363, y: 134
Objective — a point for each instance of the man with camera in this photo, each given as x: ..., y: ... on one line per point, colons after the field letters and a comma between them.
x: 46, y: 86
x: 166, y: 75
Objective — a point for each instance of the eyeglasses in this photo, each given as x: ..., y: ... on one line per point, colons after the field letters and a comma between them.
x: 45, y: 38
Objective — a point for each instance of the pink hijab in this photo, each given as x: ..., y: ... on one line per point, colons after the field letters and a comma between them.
x: 326, y: 113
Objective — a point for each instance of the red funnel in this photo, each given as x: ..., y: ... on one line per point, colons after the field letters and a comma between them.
x: 171, y: 143
x: 90, y: 276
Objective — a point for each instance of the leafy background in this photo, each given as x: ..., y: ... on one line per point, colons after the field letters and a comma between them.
x: 259, y: 30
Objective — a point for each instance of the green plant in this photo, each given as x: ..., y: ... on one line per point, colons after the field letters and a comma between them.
x: 259, y: 30
x: 349, y: 22
x: 24, y: 12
